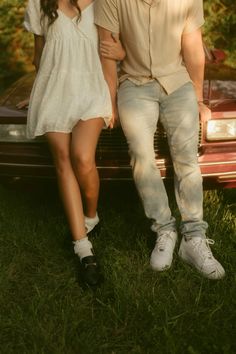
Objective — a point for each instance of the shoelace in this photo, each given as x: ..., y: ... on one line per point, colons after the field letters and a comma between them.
x: 208, y: 256
x: 162, y: 240
x: 206, y: 252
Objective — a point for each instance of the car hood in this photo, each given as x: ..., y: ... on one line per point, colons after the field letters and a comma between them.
x: 219, y: 93
x: 220, y: 88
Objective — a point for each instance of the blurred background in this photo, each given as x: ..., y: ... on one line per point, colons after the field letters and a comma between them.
x: 16, y: 44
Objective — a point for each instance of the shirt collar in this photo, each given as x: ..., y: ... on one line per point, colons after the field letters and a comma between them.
x: 151, y: 2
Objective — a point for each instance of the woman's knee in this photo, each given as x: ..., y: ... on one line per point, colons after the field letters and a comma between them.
x: 83, y: 163
x: 61, y: 159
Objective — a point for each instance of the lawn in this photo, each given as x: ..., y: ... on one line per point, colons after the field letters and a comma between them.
x: 46, y: 309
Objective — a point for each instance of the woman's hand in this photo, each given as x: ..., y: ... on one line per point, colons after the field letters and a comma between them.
x: 112, y: 50
x: 23, y: 104
x: 114, y: 122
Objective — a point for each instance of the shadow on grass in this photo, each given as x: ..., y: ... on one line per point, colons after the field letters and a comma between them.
x: 45, y: 309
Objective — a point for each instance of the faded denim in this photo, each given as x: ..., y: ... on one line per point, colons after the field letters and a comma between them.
x: 140, y: 107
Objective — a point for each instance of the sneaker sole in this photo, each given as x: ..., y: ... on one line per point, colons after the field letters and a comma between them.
x: 155, y: 269
x: 162, y: 269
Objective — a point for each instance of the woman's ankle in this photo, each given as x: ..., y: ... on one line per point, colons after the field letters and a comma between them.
x: 83, y: 247
x: 91, y: 216
x: 90, y: 223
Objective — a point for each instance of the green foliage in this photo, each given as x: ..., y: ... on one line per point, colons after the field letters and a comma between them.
x: 15, y: 43
x: 220, y: 26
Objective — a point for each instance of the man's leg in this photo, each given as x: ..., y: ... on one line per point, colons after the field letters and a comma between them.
x: 180, y: 118
x: 139, y: 111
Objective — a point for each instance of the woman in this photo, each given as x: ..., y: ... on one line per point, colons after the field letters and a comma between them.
x: 70, y: 104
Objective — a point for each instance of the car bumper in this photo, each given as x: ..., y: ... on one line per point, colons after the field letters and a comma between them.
x: 34, y: 161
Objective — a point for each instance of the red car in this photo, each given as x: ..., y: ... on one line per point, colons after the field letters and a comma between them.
x: 24, y: 158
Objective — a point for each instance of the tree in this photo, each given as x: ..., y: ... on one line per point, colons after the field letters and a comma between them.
x: 220, y: 26
x: 15, y: 43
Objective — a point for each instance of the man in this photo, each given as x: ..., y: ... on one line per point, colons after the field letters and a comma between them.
x: 161, y: 77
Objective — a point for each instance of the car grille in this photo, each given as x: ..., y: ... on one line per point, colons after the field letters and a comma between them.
x: 113, y: 141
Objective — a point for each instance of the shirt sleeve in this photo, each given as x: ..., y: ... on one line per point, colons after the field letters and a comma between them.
x: 195, y: 16
x: 106, y: 15
x: 32, y: 19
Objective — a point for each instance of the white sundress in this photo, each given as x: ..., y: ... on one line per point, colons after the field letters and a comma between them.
x: 69, y: 85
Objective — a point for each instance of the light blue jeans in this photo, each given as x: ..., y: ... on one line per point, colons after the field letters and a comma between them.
x: 140, y: 107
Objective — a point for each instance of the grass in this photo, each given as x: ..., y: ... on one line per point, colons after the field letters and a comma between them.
x: 45, y: 308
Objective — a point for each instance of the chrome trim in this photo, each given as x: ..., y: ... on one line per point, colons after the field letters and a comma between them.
x: 218, y: 174
x: 217, y: 163
x: 24, y: 165
x: 225, y: 178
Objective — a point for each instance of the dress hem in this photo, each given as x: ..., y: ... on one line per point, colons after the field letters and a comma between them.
x: 68, y: 131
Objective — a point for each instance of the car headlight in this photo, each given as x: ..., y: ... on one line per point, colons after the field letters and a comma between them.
x: 14, y: 133
x: 221, y: 129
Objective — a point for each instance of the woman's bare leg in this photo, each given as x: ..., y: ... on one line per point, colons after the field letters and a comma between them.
x: 83, y: 147
x: 68, y: 185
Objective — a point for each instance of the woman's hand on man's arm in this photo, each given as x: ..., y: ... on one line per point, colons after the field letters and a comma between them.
x: 112, y: 49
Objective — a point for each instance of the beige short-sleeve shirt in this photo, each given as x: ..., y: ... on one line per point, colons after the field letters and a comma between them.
x: 151, y: 34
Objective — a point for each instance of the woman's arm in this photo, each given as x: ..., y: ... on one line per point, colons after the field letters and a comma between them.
x: 39, y: 42
x: 109, y: 67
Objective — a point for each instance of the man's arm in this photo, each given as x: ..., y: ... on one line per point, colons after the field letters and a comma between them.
x: 110, y: 72
x: 194, y: 59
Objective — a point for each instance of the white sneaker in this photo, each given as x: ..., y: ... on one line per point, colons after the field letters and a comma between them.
x: 196, y: 251
x: 90, y: 223
x: 162, y: 255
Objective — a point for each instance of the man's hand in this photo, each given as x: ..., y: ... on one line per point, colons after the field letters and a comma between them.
x: 204, y: 111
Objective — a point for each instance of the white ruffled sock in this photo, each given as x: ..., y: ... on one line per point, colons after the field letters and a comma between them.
x: 83, y: 247
x: 90, y: 223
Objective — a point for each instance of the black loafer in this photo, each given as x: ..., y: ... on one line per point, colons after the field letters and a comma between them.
x: 90, y: 271
x: 95, y: 231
